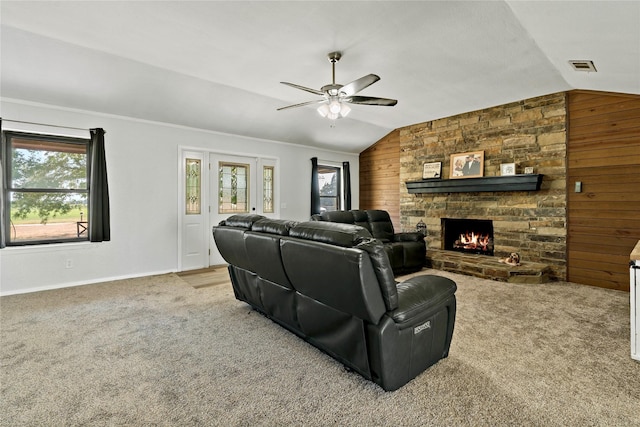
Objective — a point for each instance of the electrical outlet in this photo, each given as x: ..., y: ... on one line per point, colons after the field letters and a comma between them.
x: 69, y: 263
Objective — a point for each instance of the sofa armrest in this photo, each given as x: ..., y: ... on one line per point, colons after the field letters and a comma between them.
x: 419, y: 294
x: 408, y: 237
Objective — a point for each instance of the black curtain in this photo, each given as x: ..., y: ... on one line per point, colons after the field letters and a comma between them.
x: 3, y: 188
x: 347, y: 186
x: 99, y: 228
x: 315, y: 187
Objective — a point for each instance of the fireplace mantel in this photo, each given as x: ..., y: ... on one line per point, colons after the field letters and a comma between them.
x: 522, y: 182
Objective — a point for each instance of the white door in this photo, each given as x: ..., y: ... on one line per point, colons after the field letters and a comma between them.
x: 240, y: 185
x: 237, y: 186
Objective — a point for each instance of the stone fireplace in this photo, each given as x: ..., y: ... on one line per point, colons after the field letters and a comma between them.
x: 530, y: 133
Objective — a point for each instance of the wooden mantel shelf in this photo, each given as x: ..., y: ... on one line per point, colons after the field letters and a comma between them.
x: 523, y: 182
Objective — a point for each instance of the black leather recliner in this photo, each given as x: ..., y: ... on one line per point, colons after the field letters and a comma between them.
x: 332, y: 285
x: 407, y: 251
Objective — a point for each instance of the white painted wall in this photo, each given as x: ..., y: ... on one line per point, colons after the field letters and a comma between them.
x: 142, y: 158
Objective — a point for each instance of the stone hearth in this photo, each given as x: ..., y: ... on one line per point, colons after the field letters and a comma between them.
x: 488, y: 267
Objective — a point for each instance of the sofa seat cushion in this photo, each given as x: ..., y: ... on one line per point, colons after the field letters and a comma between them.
x: 413, y: 255
x: 409, y: 237
x: 419, y: 295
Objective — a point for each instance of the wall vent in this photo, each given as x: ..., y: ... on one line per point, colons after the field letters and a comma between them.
x: 583, y: 66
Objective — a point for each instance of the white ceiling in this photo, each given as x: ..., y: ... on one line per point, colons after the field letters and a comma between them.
x: 217, y: 65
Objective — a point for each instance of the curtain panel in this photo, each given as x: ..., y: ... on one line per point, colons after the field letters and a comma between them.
x: 99, y: 227
x: 315, y: 187
x: 347, y: 186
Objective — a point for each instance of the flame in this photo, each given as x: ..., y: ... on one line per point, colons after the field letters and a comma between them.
x: 474, y: 241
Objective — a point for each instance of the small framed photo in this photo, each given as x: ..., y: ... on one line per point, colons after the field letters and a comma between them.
x: 528, y: 170
x: 467, y: 165
x: 432, y: 170
x: 507, y: 169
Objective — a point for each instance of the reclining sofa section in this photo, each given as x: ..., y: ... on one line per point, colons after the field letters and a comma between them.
x: 332, y: 285
x: 407, y: 251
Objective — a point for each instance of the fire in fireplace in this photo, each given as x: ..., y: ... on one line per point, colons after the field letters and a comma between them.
x: 468, y: 235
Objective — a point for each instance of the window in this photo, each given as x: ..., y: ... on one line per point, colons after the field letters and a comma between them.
x: 267, y: 189
x: 193, y: 173
x: 330, y: 188
x: 47, y: 188
x: 234, y: 188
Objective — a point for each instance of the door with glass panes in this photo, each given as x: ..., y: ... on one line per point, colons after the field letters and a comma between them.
x: 240, y: 185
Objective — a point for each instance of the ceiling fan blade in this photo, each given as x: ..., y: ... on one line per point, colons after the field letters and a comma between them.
x: 307, y: 89
x: 368, y: 100
x: 357, y: 85
x: 302, y: 104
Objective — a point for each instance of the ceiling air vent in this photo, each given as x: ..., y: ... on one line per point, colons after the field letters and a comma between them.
x: 583, y: 66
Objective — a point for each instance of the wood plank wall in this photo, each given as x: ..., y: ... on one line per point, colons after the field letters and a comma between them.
x: 380, y: 177
x: 604, y: 155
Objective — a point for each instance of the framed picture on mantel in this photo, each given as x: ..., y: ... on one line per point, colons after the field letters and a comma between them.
x: 432, y: 170
x: 467, y: 165
x: 507, y: 169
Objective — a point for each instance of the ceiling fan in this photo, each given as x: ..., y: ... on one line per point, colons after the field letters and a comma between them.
x: 336, y: 96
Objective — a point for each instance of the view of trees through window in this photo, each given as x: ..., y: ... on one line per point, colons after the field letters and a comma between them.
x: 47, y: 188
x: 329, y: 182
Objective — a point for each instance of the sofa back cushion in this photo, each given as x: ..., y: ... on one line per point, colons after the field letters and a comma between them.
x: 383, y: 270
x: 381, y: 225
x: 345, y: 235
x: 245, y: 221
x: 338, y: 277
x: 229, y: 238
x: 361, y: 218
x: 355, y: 216
x: 343, y: 217
x: 263, y: 249
x: 280, y: 227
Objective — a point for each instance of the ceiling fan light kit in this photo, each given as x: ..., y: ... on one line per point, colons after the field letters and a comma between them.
x: 335, y: 96
x: 334, y: 110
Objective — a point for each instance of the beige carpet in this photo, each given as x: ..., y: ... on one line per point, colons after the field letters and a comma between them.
x: 156, y: 351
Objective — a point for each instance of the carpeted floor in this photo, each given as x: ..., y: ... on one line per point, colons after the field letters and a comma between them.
x: 157, y: 351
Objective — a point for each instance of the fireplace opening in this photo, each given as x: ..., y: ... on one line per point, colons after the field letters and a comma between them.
x: 473, y: 236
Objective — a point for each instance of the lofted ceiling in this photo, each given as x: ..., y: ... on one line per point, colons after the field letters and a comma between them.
x: 217, y: 65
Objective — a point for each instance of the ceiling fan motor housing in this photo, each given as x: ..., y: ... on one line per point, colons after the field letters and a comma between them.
x: 332, y: 89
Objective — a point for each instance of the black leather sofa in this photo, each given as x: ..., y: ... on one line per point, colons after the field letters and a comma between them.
x: 332, y: 285
x: 406, y: 251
